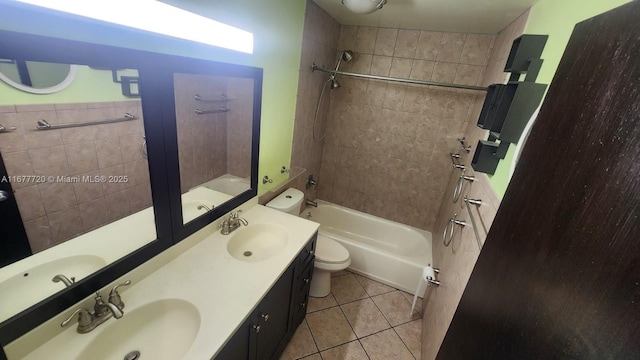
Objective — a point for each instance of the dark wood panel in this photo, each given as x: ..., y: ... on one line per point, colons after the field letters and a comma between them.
x: 559, y: 275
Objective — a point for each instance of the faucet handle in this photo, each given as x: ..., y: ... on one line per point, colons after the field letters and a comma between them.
x: 114, y: 295
x: 84, y: 318
x: 99, y: 308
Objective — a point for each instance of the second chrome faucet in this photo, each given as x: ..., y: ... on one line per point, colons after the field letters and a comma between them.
x: 232, y: 222
x: 102, y: 311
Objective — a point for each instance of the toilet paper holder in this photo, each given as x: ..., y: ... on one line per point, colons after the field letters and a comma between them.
x: 429, y: 277
x: 431, y: 280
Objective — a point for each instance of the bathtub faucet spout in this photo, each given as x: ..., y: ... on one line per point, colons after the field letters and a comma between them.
x: 311, y: 203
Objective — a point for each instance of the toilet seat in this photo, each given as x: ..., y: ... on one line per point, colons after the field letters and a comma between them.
x: 329, y: 251
x: 331, y: 256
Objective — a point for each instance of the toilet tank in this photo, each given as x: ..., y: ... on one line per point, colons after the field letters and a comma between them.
x: 289, y: 201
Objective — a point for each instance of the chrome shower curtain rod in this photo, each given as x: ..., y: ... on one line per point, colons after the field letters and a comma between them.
x: 315, y: 67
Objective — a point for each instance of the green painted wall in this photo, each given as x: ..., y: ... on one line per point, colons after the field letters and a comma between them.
x: 277, y: 27
x: 557, y: 19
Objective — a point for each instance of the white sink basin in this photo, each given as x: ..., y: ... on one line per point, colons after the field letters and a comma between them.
x: 257, y: 242
x: 164, y: 329
x: 35, y: 284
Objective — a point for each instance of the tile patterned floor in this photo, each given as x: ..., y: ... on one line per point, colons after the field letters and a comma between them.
x: 360, y: 319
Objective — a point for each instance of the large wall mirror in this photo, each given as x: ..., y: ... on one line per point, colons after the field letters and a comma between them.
x: 94, y: 188
x: 214, y: 117
x: 79, y: 175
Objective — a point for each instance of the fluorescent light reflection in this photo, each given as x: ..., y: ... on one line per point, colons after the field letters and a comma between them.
x: 157, y: 17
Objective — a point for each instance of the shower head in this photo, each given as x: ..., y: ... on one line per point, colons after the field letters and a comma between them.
x: 347, y: 55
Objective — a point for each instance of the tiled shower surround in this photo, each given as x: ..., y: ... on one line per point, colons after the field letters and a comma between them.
x: 319, y: 45
x: 456, y: 261
x: 56, y: 211
x: 387, y: 147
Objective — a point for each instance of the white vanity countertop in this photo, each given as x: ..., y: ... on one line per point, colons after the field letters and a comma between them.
x: 101, y: 246
x: 225, y: 290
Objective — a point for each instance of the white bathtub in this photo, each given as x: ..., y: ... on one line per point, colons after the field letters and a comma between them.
x: 384, y: 250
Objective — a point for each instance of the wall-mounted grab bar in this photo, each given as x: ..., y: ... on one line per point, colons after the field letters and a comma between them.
x: 222, y: 98
x: 476, y: 202
x: 44, y: 125
x: 7, y: 129
x: 222, y: 109
x: 458, y: 190
x: 449, y: 229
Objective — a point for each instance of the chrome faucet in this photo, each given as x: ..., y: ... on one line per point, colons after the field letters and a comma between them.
x: 311, y: 203
x: 65, y: 280
x: 203, y: 206
x: 232, y: 222
x: 102, y: 311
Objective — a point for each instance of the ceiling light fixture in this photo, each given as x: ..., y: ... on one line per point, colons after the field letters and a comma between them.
x: 156, y: 17
x: 364, y: 6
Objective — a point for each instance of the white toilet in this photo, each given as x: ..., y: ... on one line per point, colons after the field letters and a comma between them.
x: 331, y: 256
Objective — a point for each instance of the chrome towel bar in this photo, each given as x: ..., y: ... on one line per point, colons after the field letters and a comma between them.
x: 476, y: 202
x: 7, y: 129
x: 222, y: 98
x: 44, y: 125
x: 223, y: 109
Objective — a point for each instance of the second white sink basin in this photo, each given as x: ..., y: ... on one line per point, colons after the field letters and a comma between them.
x: 164, y: 329
x: 257, y: 242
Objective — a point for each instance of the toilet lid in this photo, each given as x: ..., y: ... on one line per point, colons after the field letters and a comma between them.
x: 330, y: 251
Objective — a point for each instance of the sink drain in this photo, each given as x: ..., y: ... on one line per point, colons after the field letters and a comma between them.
x: 134, y: 355
x: 247, y: 253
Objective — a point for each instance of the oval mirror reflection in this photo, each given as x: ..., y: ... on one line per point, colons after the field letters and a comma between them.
x: 36, y: 77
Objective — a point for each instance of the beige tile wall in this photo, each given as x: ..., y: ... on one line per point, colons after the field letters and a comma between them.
x: 456, y: 261
x: 239, y: 126
x: 54, y: 211
x: 202, y: 139
x: 319, y: 44
x: 388, y: 144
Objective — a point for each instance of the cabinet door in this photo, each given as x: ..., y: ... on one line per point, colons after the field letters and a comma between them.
x: 238, y: 347
x: 273, y: 317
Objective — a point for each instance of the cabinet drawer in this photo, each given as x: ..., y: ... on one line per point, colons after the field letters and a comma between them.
x: 308, y: 252
x: 300, y: 307
x: 304, y: 278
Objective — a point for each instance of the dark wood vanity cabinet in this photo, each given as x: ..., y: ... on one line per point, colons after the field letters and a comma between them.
x: 267, y: 331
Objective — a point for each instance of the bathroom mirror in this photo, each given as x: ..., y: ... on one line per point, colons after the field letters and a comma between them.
x: 36, y: 77
x: 153, y: 133
x: 214, y: 118
x: 156, y: 131
x: 79, y: 176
